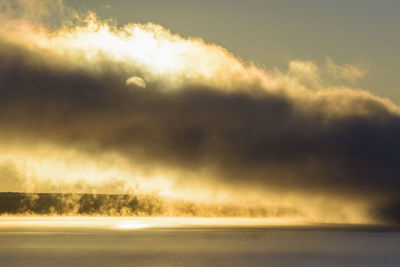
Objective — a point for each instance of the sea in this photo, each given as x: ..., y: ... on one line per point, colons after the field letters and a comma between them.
x: 105, y: 241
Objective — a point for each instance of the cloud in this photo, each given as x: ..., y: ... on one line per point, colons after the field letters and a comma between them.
x: 347, y: 71
x: 206, y: 116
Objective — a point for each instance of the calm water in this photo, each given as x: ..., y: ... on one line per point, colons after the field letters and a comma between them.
x: 135, y: 244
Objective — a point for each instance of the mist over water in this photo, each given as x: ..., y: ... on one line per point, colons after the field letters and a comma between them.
x: 131, y: 145
x: 91, y: 106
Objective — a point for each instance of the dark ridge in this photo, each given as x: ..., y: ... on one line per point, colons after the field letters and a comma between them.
x: 83, y: 204
x: 126, y: 205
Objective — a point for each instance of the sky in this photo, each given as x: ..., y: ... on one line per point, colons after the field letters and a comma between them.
x: 271, y: 32
x: 182, y: 111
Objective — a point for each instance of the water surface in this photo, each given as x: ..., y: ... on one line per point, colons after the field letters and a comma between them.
x: 166, y: 242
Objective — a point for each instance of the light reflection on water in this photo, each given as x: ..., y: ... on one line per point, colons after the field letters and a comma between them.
x: 97, y: 241
x: 138, y: 222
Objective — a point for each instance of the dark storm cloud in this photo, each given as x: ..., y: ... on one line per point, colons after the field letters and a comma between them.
x: 260, y: 139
